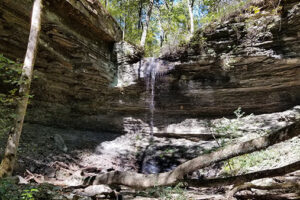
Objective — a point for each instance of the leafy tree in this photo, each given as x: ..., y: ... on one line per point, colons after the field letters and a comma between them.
x: 150, y: 23
x: 7, y: 164
x: 147, y: 21
x: 161, y: 24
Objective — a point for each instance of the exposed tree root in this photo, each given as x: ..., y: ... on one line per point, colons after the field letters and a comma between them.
x: 137, y: 180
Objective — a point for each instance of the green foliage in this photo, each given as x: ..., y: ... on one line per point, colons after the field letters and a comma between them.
x: 10, y: 72
x: 254, y: 9
x: 166, y: 193
x: 283, y: 153
x: 28, y: 194
x: 220, y: 12
x: 10, y: 190
x: 170, y: 21
x: 166, y: 152
x: 244, y: 162
x: 230, y: 127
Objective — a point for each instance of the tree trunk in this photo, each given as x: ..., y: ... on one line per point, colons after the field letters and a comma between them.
x: 240, y: 179
x: 161, y: 33
x: 136, y: 180
x: 140, y: 14
x: 124, y: 29
x: 191, y: 5
x: 285, y: 190
x: 145, y: 27
x: 10, y: 155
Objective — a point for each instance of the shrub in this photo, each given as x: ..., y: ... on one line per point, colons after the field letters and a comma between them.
x: 166, y: 193
x: 10, y: 72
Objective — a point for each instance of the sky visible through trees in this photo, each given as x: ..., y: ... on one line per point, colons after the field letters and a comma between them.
x: 170, y: 21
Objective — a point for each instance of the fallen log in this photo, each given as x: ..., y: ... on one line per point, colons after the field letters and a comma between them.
x: 274, y: 186
x: 289, y: 190
x: 237, y: 180
x: 137, y: 180
x: 268, y: 195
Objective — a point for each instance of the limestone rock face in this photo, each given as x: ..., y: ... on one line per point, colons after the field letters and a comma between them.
x: 86, y: 81
x: 250, y: 61
x: 75, y: 65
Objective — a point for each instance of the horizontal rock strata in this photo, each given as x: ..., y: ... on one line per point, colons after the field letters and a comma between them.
x: 86, y: 81
x: 76, y: 64
x: 250, y: 61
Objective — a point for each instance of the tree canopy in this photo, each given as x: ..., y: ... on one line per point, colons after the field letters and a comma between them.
x: 171, y: 21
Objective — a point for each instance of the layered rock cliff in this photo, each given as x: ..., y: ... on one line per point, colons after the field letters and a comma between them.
x: 85, y: 80
x: 251, y: 60
x: 75, y: 63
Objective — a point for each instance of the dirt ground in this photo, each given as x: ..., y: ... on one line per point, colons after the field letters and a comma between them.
x: 64, y: 157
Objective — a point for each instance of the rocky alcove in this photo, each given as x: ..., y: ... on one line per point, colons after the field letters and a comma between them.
x: 100, y: 106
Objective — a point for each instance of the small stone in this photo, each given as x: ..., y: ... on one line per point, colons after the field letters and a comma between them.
x: 50, y: 172
x: 22, y: 180
x: 97, y: 190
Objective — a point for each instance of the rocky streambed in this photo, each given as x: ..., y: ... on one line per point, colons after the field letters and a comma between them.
x: 94, y: 111
x: 62, y: 157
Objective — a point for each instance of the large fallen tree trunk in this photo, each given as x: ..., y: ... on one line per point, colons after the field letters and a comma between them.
x: 137, y: 180
x: 236, y: 180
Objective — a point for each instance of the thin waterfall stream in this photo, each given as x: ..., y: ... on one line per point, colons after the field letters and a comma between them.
x: 153, y: 68
x: 150, y: 87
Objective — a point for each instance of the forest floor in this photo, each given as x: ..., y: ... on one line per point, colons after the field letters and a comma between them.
x: 62, y: 158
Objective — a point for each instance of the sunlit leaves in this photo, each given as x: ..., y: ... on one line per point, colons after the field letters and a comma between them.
x: 9, y: 79
x: 169, y: 23
x: 10, y: 72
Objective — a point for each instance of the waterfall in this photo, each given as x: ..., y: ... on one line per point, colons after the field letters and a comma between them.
x: 153, y: 68
x: 150, y: 68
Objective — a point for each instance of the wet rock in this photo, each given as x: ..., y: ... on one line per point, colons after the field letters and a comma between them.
x: 151, y: 166
x: 60, y: 143
x: 166, y: 157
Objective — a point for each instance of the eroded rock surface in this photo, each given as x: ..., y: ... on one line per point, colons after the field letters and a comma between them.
x: 250, y: 61
x: 75, y: 65
x: 86, y: 81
